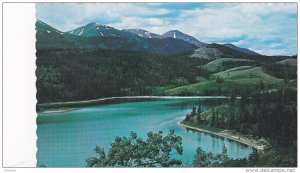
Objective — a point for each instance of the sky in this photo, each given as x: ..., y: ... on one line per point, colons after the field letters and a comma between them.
x: 267, y: 28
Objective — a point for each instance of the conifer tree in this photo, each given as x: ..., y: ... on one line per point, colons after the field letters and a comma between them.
x: 199, y: 121
x: 193, y: 113
x: 217, y: 122
x: 213, y: 118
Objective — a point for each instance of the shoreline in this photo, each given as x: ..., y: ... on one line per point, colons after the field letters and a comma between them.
x: 234, y: 137
x: 58, y: 111
x: 137, y: 97
x: 108, y: 99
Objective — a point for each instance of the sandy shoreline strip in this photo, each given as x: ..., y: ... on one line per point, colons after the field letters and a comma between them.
x: 59, y: 110
x: 224, y: 134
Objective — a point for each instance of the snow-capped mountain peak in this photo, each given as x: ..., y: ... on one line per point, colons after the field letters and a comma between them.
x: 94, y: 29
x: 142, y: 33
x: 182, y: 36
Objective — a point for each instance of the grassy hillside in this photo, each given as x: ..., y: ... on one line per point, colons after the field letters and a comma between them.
x: 200, y: 79
x: 247, y: 72
x: 207, y: 53
x: 289, y: 62
x: 217, y: 64
x: 235, y: 79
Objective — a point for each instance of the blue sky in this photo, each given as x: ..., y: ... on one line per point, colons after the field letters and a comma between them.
x: 267, y: 28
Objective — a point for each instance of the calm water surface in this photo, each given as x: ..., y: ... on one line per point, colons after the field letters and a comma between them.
x: 67, y: 139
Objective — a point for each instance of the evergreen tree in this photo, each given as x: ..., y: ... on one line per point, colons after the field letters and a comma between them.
x: 199, y: 121
x: 232, y: 98
x: 199, y: 110
x: 213, y: 118
x: 219, y: 89
x: 231, y: 122
x: 194, y: 112
x: 262, y: 86
x: 217, y: 121
x: 187, y: 117
x: 222, y: 121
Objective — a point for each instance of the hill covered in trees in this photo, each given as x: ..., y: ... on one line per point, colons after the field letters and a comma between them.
x: 81, y: 74
x: 271, y: 115
x: 75, y: 74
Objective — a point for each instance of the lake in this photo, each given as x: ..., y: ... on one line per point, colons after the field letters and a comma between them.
x: 67, y: 139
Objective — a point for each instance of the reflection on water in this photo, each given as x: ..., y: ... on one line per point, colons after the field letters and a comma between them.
x: 67, y: 139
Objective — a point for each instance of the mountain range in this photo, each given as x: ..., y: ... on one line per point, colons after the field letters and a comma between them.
x: 94, y: 35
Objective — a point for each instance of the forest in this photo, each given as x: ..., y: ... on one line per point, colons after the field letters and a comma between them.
x: 271, y: 115
x: 64, y: 75
x: 83, y: 74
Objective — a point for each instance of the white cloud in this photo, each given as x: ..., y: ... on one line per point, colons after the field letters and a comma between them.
x: 237, y: 20
x: 271, y: 51
x: 66, y: 15
x: 121, y: 9
x: 276, y: 45
x: 258, y: 23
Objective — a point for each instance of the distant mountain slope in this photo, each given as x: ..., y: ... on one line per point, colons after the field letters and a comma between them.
x: 216, y: 51
x: 242, y: 50
x: 182, y: 36
x: 94, y: 35
x: 207, y: 52
x: 143, y: 33
x: 290, y: 62
x: 44, y: 27
x: 49, y: 37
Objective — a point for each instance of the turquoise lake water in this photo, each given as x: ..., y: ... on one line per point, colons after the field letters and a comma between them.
x: 67, y: 139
